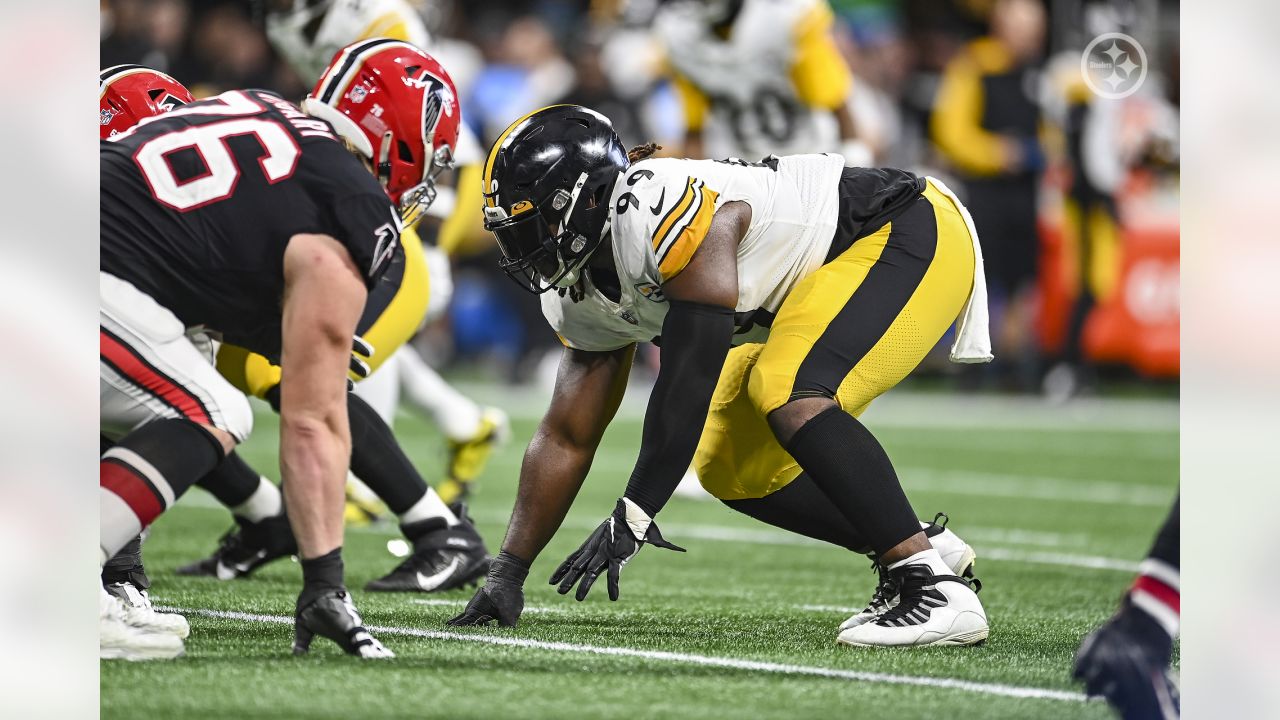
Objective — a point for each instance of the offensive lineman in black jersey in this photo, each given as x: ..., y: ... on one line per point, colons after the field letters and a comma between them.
x: 246, y: 219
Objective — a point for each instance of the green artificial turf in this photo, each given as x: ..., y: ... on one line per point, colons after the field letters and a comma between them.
x: 1059, y: 512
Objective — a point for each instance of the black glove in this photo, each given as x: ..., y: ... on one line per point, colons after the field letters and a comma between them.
x: 1127, y: 662
x: 502, y: 596
x: 360, y: 352
x: 615, y: 542
x: 331, y: 614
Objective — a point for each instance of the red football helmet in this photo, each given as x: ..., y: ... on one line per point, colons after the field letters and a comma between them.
x: 130, y: 93
x: 396, y: 106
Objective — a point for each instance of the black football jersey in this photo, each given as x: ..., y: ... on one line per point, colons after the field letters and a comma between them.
x: 198, y: 205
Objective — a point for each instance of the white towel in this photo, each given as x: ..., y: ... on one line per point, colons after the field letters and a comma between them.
x: 973, y: 332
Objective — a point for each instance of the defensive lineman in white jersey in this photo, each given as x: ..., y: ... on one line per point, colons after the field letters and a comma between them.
x: 785, y: 295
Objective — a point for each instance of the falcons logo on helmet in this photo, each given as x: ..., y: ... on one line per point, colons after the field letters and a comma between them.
x: 168, y: 102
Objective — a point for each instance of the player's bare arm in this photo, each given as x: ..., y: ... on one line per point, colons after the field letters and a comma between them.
x: 324, y: 296
x: 589, y: 387
x: 588, y: 390
x: 696, y: 336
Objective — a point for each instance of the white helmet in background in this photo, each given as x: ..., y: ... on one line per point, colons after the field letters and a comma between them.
x: 307, y: 33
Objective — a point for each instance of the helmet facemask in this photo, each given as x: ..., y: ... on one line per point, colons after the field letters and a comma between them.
x: 415, y: 200
x: 545, y: 245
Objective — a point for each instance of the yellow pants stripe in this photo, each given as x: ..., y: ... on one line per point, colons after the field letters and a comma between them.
x: 738, y: 456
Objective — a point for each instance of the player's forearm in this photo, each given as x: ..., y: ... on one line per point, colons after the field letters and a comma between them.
x: 313, y: 462
x: 323, y: 299
x: 553, y: 471
x: 695, y: 341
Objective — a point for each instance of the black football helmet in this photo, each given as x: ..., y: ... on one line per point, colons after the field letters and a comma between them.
x: 547, y: 185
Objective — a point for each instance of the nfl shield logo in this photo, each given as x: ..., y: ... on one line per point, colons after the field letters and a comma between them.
x: 105, y: 116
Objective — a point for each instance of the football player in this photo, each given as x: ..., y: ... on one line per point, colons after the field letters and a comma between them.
x: 247, y: 218
x: 126, y: 95
x: 307, y: 33
x: 832, y: 282
x: 1127, y: 660
x: 448, y: 552
x: 760, y: 76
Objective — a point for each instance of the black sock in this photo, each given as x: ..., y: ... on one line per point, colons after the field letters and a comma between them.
x: 802, y: 508
x: 847, y: 463
x: 1168, y: 544
x: 232, y: 481
x: 126, y: 566
x: 320, y: 575
x: 378, y: 460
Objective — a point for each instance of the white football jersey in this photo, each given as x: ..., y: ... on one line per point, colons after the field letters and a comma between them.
x: 349, y: 21
x: 662, y: 209
x: 754, y: 107
x: 345, y: 22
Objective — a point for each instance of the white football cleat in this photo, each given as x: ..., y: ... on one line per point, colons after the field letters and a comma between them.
x: 932, y: 609
x: 119, y: 640
x: 956, y: 553
x: 139, y: 613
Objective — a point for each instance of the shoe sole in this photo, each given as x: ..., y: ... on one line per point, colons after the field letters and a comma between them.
x: 972, y: 638
x: 967, y: 562
x: 140, y: 654
x: 179, y: 632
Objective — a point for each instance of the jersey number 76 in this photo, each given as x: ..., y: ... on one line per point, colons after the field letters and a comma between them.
x: 209, y: 140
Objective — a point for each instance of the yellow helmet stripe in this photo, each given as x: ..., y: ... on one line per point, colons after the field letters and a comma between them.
x: 497, y: 145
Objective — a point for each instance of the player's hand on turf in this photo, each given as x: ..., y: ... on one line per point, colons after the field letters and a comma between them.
x: 611, y: 546
x: 501, y: 598
x: 332, y: 615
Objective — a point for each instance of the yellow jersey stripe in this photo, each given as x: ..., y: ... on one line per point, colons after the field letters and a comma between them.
x: 678, y: 210
x: 690, y: 238
x: 390, y: 25
x: 497, y: 145
x: 682, y: 220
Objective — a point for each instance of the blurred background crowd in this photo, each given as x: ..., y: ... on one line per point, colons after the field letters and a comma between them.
x: 1074, y: 195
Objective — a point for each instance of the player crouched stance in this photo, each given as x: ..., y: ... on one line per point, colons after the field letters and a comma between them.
x: 246, y: 219
x: 836, y: 282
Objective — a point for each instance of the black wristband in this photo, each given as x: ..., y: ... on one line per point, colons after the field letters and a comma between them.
x: 320, y: 575
x: 508, y: 568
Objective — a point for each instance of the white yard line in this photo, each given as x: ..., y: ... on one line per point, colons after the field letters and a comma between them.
x: 460, y: 604
x: 905, y: 408
x: 1018, y: 486
x: 1091, y: 562
x: 659, y: 656
x: 827, y: 608
x: 1034, y: 487
x: 765, y: 536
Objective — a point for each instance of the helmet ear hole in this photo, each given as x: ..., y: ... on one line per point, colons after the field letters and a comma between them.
x: 599, y: 196
x: 406, y: 154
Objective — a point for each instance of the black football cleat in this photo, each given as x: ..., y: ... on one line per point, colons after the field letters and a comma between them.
x: 244, y: 548
x: 1127, y: 662
x: 332, y: 615
x: 444, y: 558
